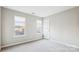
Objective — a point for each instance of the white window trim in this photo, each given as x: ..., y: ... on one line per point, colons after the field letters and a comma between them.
x: 17, y: 36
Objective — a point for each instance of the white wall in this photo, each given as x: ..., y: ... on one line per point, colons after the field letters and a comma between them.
x: 0, y: 27
x: 64, y: 26
x: 8, y: 28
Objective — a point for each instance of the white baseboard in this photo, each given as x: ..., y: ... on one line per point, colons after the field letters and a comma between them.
x: 17, y: 43
x: 67, y: 44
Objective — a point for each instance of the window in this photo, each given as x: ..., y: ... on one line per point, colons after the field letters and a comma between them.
x: 39, y: 26
x: 19, y: 25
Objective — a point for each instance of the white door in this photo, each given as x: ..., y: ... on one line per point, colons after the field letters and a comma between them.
x: 46, y: 28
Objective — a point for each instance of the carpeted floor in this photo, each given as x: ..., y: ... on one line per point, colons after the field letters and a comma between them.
x: 40, y: 46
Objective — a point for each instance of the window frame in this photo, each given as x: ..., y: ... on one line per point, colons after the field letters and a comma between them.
x: 15, y: 25
x: 39, y: 29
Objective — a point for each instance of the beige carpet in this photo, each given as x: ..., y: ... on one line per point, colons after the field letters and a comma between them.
x: 41, y: 46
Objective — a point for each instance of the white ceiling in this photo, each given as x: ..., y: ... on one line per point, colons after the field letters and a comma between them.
x: 41, y: 11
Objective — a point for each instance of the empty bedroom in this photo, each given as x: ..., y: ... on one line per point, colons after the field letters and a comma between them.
x: 39, y: 29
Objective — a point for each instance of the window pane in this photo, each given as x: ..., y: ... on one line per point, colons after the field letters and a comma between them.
x: 39, y: 26
x: 19, y: 25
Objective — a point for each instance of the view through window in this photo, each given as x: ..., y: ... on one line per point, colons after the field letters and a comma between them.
x: 19, y: 25
x: 39, y: 26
